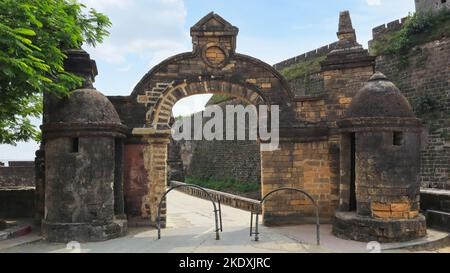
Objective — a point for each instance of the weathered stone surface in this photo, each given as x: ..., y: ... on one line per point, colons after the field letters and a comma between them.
x: 426, y: 78
x: 385, y: 166
x: 83, y: 232
x: 438, y: 220
x: 238, y: 159
x: 379, y: 98
x: 436, y: 205
x: 17, y: 202
x: 350, y: 226
x: 425, y: 6
x: 21, y: 175
x: 79, y: 135
x: 96, y: 108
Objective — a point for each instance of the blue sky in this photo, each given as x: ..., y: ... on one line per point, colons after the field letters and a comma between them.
x: 145, y: 32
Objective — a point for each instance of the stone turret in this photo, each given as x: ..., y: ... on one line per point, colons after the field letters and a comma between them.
x: 82, y: 139
x: 380, y: 150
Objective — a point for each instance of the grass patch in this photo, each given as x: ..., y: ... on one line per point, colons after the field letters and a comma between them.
x: 303, y: 69
x: 418, y: 29
x: 229, y: 185
x: 218, y: 98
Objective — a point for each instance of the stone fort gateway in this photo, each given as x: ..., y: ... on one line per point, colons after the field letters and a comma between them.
x: 349, y: 136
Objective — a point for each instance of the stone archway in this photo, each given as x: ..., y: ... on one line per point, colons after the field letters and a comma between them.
x: 212, y: 67
x: 159, y: 116
x: 158, y: 134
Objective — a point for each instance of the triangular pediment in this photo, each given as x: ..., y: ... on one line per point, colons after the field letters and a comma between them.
x: 213, y: 22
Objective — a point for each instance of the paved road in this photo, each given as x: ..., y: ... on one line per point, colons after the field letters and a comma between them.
x: 190, y: 230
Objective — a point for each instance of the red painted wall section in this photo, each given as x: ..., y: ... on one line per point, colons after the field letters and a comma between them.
x: 135, y: 179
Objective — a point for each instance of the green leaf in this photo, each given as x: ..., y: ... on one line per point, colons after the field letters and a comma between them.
x: 33, y: 36
x: 25, y: 31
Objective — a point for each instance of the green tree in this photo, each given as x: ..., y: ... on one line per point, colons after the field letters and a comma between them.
x: 33, y: 37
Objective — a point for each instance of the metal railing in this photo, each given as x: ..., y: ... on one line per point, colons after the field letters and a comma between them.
x: 256, y: 233
x: 217, y: 212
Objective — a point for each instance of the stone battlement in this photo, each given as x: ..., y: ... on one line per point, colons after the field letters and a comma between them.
x: 319, y: 52
x: 388, y: 28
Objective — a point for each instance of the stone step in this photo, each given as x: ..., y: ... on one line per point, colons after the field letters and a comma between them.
x: 433, y: 199
x: 438, y: 220
x: 162, y: 85
x: 14, y: 232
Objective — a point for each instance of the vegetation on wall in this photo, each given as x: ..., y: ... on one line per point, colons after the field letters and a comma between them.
x: 218, y: 98
x: 428, y: 108
x: 418, y: 29
x: 229, y: 185
x: 425, y: 104
x: 303, y: 69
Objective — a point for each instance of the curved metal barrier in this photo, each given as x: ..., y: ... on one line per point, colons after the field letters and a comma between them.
x: 277, y: 190
x: 217, y: 217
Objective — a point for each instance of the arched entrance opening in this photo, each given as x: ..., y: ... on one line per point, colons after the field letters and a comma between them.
x: 159, y: 132
x: 218, y: 149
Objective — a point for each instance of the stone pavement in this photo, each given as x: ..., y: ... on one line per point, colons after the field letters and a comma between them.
x: 190, y: 230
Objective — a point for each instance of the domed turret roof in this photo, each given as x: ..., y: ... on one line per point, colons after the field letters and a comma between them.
x: 85, y: 106
x: 379, y: 98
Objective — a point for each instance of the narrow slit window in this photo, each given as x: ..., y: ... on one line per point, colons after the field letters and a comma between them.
x: 398, y: 138
x: 75, y: 145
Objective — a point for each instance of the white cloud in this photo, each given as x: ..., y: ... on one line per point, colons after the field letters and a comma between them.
x: 373, y: 2
x: 146, y: 29
x: 190, y: 105
x: 126, y: 68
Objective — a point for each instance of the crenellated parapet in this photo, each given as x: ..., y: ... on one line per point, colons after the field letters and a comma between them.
x: 310, y: 55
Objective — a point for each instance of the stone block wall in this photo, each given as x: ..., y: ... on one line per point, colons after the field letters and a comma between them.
x: 306, y: 166
x: 431, y: 5
x: 17, y: 174
x: 17, y: 189
x: 17, y: 202
x: 237, y: 159
x: 427, y: 76
x: 311, y: 110
x: 309, y: 85
x: 222, y: 159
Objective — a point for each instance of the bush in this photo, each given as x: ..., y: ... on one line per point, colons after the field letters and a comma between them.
x: 303, y: 69
x: 218, y: 98
x: 418, y: 29
x: 229, y: 185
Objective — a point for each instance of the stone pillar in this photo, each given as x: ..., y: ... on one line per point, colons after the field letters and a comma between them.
x: 155, y: 161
